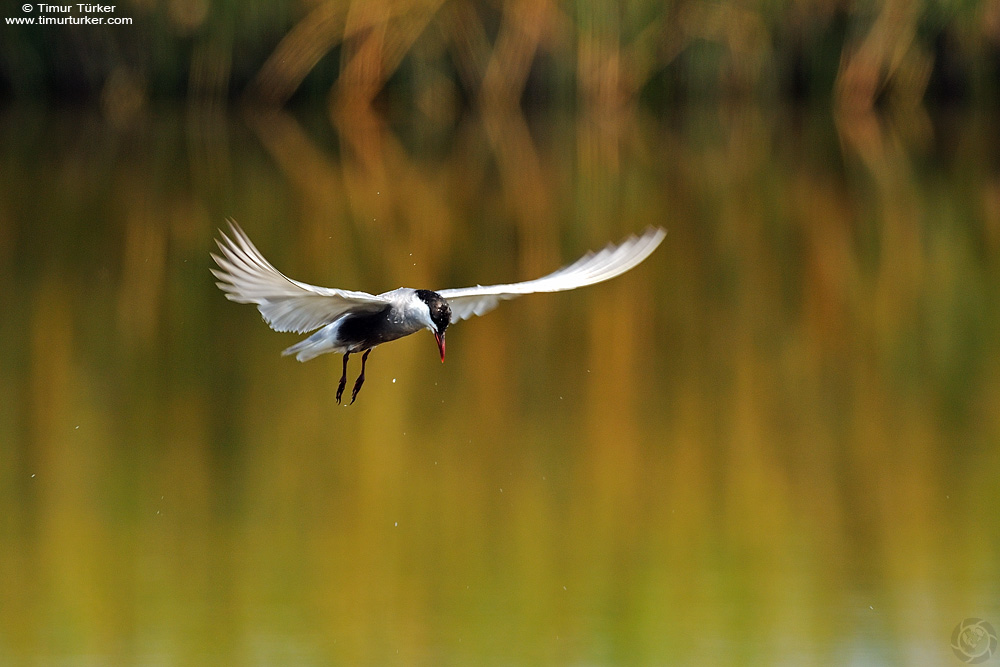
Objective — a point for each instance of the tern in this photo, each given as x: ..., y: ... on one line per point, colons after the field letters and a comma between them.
x: 349, y: 322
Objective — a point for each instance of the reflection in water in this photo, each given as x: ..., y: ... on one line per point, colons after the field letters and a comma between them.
x: 774, y: 441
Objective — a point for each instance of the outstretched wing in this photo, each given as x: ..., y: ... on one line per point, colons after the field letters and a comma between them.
x: 286, y: 304
x: 592, y: 268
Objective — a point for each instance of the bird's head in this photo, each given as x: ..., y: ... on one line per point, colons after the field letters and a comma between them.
x: 439, y: 315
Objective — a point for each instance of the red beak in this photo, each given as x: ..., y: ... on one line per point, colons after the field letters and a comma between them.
x: 440, y: 341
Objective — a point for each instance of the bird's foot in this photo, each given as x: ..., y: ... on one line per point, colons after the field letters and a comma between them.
x: 357, y: 387
x: 343, y: 380
x: 361, y: 378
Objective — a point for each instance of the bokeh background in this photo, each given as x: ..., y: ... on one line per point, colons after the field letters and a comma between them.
x: 775, y: 442
x: 439, y: 56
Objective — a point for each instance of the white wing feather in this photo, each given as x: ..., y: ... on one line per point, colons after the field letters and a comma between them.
x: 590, y: 269
x: 286, y: 304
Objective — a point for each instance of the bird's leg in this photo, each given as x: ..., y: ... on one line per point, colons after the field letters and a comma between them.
x: 361, y: 378
x: 343, y: 379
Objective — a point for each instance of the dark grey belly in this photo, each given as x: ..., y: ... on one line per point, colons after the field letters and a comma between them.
x: 362, y: 331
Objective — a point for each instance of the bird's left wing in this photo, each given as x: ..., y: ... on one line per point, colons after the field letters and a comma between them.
x: 286, y: 304
x: 594, y: 267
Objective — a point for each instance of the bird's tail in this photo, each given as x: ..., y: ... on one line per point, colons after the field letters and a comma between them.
x: 321, y: 342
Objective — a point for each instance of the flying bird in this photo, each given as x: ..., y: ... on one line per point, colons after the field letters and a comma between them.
x: 349, y: 322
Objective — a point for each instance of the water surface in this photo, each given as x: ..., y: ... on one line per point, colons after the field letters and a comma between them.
x: 775, y: 442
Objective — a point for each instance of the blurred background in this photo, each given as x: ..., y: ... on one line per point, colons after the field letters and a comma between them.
x: 438, y: 57
x: 774, y: 442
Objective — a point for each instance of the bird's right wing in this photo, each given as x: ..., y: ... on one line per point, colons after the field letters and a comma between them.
x: 286, y: 304
x: 592, y: 268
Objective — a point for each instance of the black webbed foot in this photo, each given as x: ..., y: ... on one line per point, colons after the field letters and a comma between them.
x: 361, y: 378
x: 343, y: 380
